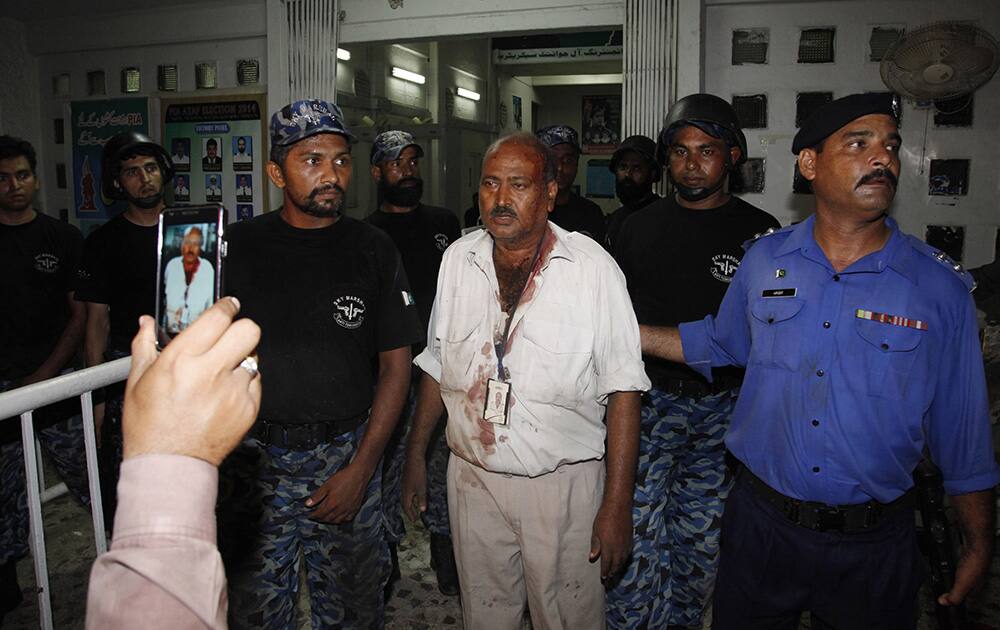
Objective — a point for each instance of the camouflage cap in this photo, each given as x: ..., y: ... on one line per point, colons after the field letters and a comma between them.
x: 302, y: 119
x: 558, y: 134
x: 389, y: 144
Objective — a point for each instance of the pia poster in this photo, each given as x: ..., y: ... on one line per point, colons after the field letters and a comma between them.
x: 93, y: 124
x: 218, y: 153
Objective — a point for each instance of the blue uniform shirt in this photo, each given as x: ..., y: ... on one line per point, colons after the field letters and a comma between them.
x: 836, y: 405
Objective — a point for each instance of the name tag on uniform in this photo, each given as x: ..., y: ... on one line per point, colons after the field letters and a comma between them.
x: 777, y: 293
x: 497, y: 401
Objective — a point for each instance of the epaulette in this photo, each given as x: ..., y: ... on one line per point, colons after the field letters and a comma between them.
x: 747, y: 244
x: 945, y: 261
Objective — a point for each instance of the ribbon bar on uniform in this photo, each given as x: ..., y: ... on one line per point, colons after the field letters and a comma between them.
x: 894, y: 320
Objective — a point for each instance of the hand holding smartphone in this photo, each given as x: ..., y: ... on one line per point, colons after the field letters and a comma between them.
x: 189, y: 266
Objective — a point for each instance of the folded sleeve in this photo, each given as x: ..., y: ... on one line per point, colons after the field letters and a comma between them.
x: 617, y: 351
x: 959, y: 435
x: 429, y: 360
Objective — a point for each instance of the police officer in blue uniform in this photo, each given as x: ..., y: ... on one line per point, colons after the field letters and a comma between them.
x: 861, y: 349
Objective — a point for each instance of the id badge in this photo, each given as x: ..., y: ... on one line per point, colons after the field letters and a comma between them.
x: 497, y: 401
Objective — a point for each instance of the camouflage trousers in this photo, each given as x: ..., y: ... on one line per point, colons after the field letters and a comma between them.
x: 436, y: 517
x: 63, y: 442
x: 681, y: 486
x: 264, y: 526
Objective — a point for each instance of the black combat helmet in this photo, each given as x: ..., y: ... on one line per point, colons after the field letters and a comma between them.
x: 123, y: 145
x: 702, y: 108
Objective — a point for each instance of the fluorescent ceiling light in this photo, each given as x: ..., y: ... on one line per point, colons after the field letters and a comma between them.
x: 343, y: 55
x: 406, y: 75
x: 469, y: 94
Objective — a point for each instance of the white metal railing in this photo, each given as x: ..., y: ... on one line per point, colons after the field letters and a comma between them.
x: 23, y: 401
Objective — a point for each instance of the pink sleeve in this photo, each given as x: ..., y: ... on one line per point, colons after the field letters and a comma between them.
x: 163, y: 569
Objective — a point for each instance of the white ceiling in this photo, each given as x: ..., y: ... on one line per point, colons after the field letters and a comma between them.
x: 38, y: 10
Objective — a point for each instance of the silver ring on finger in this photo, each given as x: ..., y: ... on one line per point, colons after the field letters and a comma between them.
x: 250, y: 365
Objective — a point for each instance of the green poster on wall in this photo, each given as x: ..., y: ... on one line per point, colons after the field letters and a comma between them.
x: 93, y: 123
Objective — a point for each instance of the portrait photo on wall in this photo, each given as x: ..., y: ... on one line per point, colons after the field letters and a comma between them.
x: 602, y: 119
x: 242, y: 153
x: 244, y: 187
x: 180, y: 153
x: 211, y: 156
x: 182, y: 187
x: 244, y: 211
x: 213, y: 188
x: 188, y: 273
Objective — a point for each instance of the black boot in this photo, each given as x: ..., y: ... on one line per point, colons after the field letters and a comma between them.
x: 443, y: 563
x: 10, y: 591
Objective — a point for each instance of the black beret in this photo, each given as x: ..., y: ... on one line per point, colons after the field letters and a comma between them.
x: 835, y: 114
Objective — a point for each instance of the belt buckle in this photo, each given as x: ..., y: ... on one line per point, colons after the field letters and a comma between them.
x: 297, y: 436
x: 828, y: 518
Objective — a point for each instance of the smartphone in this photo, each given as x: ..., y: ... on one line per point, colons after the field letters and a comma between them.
x: 189, y: 257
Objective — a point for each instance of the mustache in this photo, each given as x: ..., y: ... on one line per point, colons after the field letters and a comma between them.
x: 409, y: 180
x: 325, y: 189
x: 501, y: 211
x: 879, y: 173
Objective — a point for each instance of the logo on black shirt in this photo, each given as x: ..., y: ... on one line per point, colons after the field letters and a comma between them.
x: 442, y: 241
x: 47, y: 263
x: 349, y: 311
x: 724, y: 266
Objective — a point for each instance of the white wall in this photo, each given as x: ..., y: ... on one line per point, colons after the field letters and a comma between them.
x: 369, y: 21
x: 466, y: 63
x: 782, y: 78
x: 564, y: 105
x: 19, y: 94
x: 224, y: 32
x: 509, y: 87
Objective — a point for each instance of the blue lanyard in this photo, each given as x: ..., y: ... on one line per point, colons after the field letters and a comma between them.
x: 501, y: 347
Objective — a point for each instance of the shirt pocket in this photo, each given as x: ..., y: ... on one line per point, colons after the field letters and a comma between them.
x: 889, y: 354
x: 776, y: 332
x: 463, y: 351
x: 555, y: 363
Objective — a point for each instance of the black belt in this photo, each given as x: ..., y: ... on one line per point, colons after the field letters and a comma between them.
x: 304, y: 436
x: 695, y: 388
x: 822, y: 517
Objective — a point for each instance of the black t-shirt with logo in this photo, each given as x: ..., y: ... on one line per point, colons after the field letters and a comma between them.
x: 679, y: 262
x: 421, y: 236
x: 580, y: 215
x: 119, y: 269
x: 39, y: 261
x: 327, y: 301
